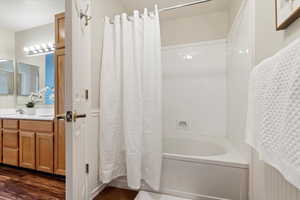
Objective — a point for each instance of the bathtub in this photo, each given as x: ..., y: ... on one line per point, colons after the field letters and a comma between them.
x: 208, y: 168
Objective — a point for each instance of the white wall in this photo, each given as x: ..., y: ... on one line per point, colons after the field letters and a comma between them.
x: 195, y: 90
x: 268, y: 41
x: 7, y: 51
x: 100, y: 8
x: 212, y: 26
x: 234, y: 7
x: 240, y: 40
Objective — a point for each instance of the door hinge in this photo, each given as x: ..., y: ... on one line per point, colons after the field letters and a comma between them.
x: 86, y: 94
x: 87, y: 168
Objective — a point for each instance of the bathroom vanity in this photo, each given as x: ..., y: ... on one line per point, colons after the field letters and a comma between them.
x: 35, y: 141
x: 27, y: 142
x: 32, y: 142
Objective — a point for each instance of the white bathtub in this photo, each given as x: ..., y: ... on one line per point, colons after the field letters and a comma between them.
x: 205, y: 169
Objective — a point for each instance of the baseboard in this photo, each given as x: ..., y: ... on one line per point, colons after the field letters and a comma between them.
x: 97, y: 191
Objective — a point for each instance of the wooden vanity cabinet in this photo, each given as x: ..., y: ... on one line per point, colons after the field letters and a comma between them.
x: 36, y: 145
x: 10, y: 142
x: 59, y: 133
x: 60, y: 30
x: 1, y: 141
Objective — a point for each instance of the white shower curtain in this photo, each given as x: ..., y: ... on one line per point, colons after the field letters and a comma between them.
x: 131, y: 81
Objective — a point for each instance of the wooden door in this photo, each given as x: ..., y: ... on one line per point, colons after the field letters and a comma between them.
x: 27, y: 150
x: 59, y: 135
x: 44, y: 152
x: 77, y: 76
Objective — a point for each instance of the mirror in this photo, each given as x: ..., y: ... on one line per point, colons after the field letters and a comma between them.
x: 28, y: 79
x: 36, y: 75
x: 6, y: 77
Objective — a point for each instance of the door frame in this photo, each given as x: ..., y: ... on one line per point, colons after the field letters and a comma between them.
x: 68, y: 97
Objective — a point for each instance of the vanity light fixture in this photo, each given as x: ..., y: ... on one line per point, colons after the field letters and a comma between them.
x: 187, y: 57
x: 39, y: 49
x: 3, y: 60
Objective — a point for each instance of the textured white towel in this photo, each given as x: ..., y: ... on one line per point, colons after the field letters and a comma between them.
x: 273, y: 127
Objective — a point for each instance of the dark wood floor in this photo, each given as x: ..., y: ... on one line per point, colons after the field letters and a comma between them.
x: 110, y: 193
x: 16, y: 184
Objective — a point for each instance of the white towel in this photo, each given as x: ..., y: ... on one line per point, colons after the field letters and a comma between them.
x: 273, y: 127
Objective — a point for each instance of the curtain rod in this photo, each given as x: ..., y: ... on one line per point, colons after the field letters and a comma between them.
x: 183, y: 5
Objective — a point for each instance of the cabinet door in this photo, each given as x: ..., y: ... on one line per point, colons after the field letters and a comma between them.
x: 10, y: 150
x: 44, y: 152
x: 60, y: 81
x: 59, y: 148
x: 1, y: 145
x: 60, y: 30
x: 27, y: 150
x: 11, y: 156
x: 10, y: 139
x: 59, y: 135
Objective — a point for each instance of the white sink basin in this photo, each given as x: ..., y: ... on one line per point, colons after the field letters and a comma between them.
x: 45, y: 115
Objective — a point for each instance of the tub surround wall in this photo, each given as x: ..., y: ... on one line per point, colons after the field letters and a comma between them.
x: 239, y: 65
x: 194, y: 89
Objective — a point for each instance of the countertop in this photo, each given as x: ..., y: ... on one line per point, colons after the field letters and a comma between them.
x: 41, y: 117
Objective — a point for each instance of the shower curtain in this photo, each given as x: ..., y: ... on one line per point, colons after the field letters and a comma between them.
x: 131, y: 81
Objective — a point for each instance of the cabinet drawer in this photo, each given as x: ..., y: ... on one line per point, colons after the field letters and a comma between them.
x: 11, y: 124
x: 10, y: 139
x: 11, y: 156
x: 0, y: 123
x: 37, y: 126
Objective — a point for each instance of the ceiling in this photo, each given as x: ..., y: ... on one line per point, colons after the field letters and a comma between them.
x: 212, y: 6
x: 17, y: 15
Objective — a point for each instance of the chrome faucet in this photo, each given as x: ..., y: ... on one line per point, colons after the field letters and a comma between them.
x: 20, y: 111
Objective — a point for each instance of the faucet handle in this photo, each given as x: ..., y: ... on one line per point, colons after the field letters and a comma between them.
x: 20, y: 111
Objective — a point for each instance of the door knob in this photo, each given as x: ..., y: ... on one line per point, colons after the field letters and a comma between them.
x: 78, y: 116
x: 70, y: 116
